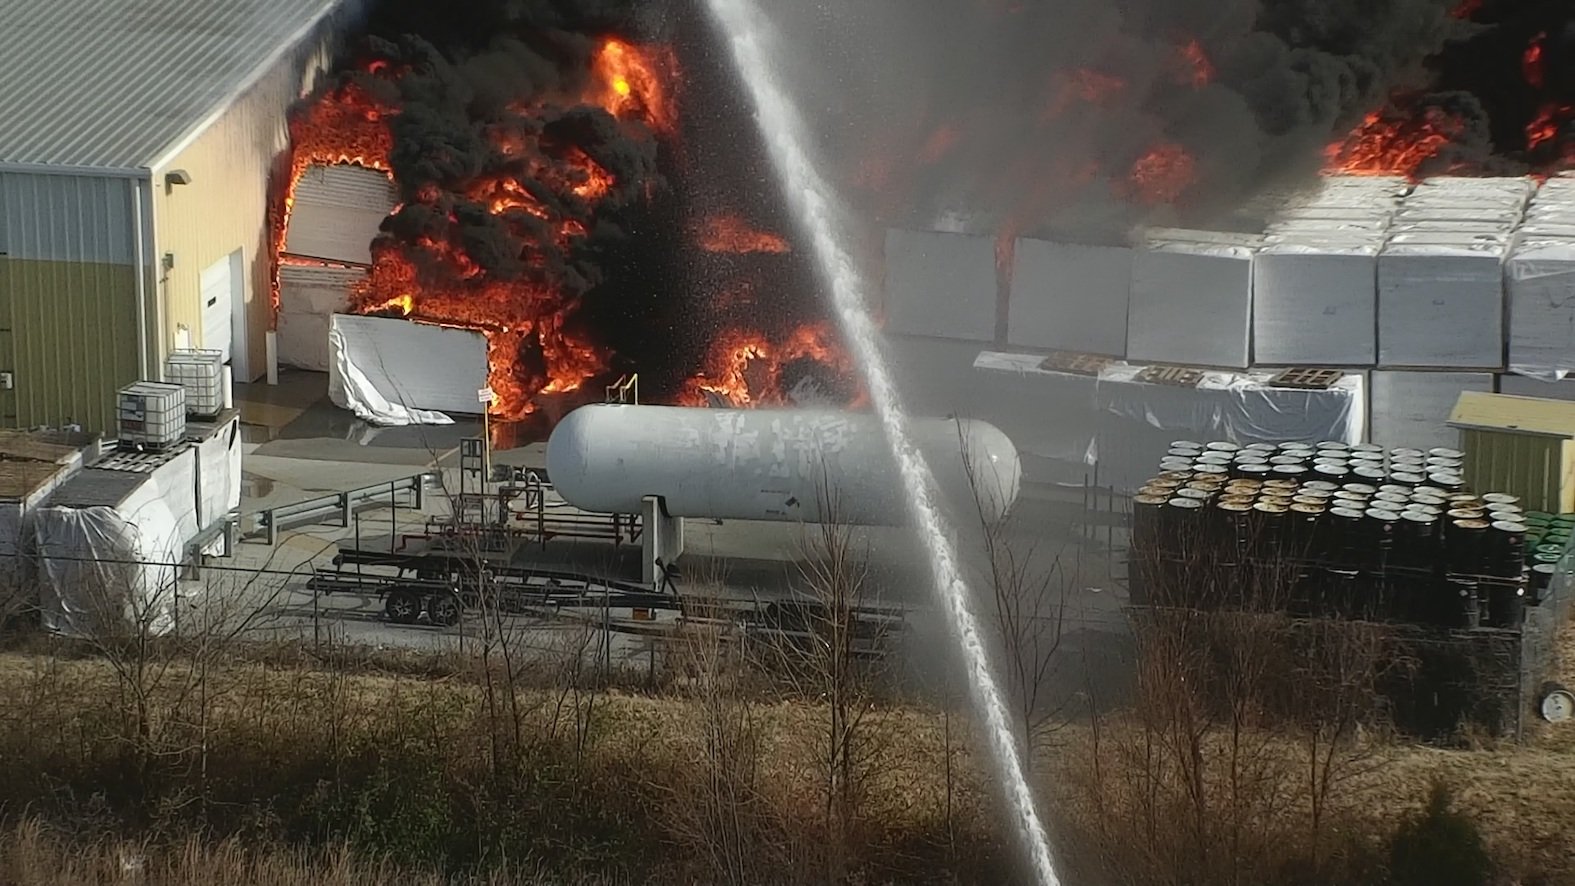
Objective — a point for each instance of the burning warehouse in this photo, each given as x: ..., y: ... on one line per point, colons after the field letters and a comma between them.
x: 562, y: 191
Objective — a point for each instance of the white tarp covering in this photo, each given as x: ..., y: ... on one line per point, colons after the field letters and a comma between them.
x: 941, y: 285
x: 933, y: 375
x: 1139, y: 421
x: 309, y: 297
x: 219, y: 473
x: 1047, y: 414
x: 109, y: 545
x: 1441, y: 302
x: 1192, y: 299
x: 1125, y: 426
x: 1070, y: 297
x: 337, y: 212
x: 395, y: 372
x: 1411, y: 409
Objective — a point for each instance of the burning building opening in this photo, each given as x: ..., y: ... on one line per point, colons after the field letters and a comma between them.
x: 554, y: 190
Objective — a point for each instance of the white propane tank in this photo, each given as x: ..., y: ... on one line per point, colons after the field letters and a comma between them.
x: 733, y: 464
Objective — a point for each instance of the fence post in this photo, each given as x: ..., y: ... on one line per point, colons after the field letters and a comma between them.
x: 421, y: 491
x: 344, y: 509
x: 273, y: 527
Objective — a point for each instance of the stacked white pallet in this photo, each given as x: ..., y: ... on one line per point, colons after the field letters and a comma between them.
x: 1441, y: 303
x: 1440, y: 276
x: 940, y: 313
x: 1192, y: 298
x: 1315, y: 282
x: 1540, y: 280
x: 1070, y: 297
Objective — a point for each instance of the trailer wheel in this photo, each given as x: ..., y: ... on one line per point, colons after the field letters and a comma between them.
x: 444, y: 609
x: 403, y: 606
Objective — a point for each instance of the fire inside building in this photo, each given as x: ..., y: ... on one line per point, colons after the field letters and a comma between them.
x: 1252, y: 223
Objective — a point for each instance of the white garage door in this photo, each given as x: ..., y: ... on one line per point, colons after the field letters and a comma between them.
x: 218, y: 288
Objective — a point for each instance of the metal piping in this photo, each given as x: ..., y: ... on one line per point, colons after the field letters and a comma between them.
x: 140, y: 251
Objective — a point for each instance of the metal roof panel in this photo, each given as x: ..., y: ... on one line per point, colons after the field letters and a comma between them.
x: 114, y: 85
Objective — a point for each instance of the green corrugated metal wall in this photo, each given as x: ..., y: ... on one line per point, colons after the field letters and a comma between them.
x: 68, y: 333
x: 1519, y: 464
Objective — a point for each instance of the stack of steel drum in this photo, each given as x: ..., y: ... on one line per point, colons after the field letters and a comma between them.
x: 1331, y: 529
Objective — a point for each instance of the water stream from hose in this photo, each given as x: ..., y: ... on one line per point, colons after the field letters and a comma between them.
x: 811, y: 199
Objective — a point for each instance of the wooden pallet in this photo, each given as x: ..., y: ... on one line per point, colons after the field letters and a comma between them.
x: 1306, y: 379
x: 1175, y: 376
x: 1074, y: 363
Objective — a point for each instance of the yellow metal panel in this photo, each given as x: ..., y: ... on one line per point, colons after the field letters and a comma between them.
x: 1528, y: 415
x: 68, y: 335
x: 1566, y: 497
x: 225, y: 208
x: 1531, y: 467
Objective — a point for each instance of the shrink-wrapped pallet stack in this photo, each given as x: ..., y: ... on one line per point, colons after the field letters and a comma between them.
x: 1315, y: 279
x: 1441, y: 303
x: 1540, y: 279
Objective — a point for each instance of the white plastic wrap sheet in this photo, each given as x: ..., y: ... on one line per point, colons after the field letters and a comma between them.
x: 1138, y: 421
x: 1540, y: 279
x: 941, y: 285
x: 1314, y: 302
x: 1192, y: 301
x: 1069, y: 297
x: 394, y: 372
x: 308, y: 299
x: 337, y: 213
x: 106, y: 567
x: 933, y: 375
x: 1441, y: 303
x: 1411, y: 409
x: 1047, y: 414
x: 219, y: 474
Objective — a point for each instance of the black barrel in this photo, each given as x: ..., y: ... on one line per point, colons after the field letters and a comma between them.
x: 1268, y: 531
x: 1233, y: 518
x: 1380, y: 524
x: 1146, y: 519
x: 1408, y: 478
x: 1500, y: 498
x: 1416, y: 539
x: 1330, y: 472
x: 1301, y: 530
x: 1464, y: 607
x: 1506, y: 603
x: 1344, y: 534
x: 1541, y: 580
x: 1465, y: 541
x: 1506, y: 549
x: 1320, y: 485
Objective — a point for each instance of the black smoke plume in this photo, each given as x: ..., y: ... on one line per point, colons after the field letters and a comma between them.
x: 1028, y: 115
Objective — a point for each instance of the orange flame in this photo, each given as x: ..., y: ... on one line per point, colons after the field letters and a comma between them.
x: 1393, y: 145
x: 730, y: 233
x: 1531, y: 64
x: 1080, y: 85
x: 533, y: 347
x: 1546, y: 125
x: 1163, y: 174
x: 745, y: 368
x: 632, y: 81
x: 1196, y: 68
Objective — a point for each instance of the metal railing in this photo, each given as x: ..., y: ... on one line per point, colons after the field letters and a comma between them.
x: 338, y: 507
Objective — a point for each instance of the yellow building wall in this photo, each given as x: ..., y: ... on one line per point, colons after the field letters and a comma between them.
x: 225, y: 207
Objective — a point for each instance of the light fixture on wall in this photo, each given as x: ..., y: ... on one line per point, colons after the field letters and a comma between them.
x: 176, y: 177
